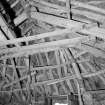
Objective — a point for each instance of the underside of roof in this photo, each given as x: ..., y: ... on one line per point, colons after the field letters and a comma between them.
x: 52, y: 51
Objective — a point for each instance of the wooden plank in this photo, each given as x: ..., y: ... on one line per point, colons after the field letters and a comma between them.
x: 42, y: 47
x: 35, y: 37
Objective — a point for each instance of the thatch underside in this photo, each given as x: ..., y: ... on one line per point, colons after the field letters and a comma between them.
x: 55, y: 52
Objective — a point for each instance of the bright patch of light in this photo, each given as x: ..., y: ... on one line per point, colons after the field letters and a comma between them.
x: 59, y: 104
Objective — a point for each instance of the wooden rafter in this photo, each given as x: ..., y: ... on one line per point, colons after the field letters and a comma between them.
x: 35, y: 37
x: 42, y: 47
